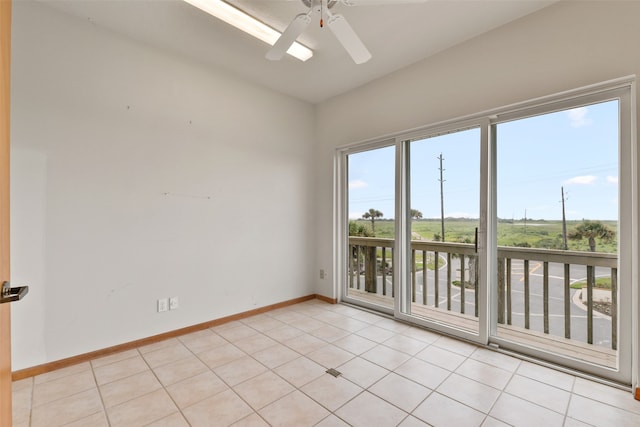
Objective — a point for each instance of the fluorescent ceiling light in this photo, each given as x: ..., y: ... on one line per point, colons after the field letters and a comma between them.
x: 249, y: 25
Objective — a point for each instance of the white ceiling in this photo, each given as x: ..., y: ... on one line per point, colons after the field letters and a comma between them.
x: 396, y: 34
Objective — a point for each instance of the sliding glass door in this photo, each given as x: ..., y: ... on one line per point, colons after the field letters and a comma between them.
x: 371, y: 204
x: 512, y: 228
x: 444, y: 274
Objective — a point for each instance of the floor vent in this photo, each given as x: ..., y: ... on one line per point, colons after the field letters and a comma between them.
x: 334, y: 372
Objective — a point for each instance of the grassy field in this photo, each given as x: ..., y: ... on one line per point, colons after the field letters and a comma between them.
x: 541, y: 234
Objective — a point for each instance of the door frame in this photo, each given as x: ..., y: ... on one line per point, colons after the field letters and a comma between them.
x: 5, y: 309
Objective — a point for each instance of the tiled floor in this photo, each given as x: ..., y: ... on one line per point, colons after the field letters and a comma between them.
x: 269, y: 369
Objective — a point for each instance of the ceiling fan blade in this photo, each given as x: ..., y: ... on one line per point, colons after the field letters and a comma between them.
x: 349, y: 39
x: 295, y: 28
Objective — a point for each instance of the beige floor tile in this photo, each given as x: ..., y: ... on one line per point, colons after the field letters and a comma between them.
x: 392, y: 325
x: 62, y: 387
x: 329, y: 333
x: 295, y: 409
x: 195, y: 389
x: 386, y: 357
x: 440, y: 411
x: 309, y: 324
x: 515, y: 411
x: 253, y: 420
x: 177, y: 371
x: 441, y: 357
x: 118, y: 370
x: 472, y: 393
x: 95, y: 420
x: 158, y: 345
x: 367, y: 317
x: 263, y: 323
x: 412, y: 421
x: 255, y: 343
x: 351, y: 325
x: 456, y: 346
x: 375, y: 333
x: 167, y: 355
x: 287, y: 315
x: 283, y: 333
x: 263, y: 389
x: 421, y: 334
x: 304, y: 343
x: 174, y: 420
x: 369, y: 410
x: 228, y: 325
x: 331, y: 392
x: 60, y: 373
x: 330, y: 356
x: 355, y: 344
x: 405, y: 344
x: 570, y: 422
x: 275, y: 356
x: 499, y: 360
x: 300, y: 371
x: 602, y: 393
x: 546, y: 375
x: 486, y: 374
x: 142, y: 410
x: 423, y: 373
x: 117, y: 392
x: 362, y: 372
x: 329, y: 316
x: 221, y: 355
x: 236, y: 333
x: 332, y: 421
x: 492, y: 422
x: 539, y: 393
x: 26, y: 383
x: 239, y: 370
x: 600, y: 414
x: 399, y: 391
x: 67, y: 410
x: 222, y: 409
x: 112, y: 358
x: 200, y: 341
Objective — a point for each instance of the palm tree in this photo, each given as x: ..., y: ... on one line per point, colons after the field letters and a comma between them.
x: 372, y: 215
x: 592, y: 230
x: 415, y: 214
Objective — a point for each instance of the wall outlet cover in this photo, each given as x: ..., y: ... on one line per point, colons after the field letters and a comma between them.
x: 163, y: 304
x: 173, y: 303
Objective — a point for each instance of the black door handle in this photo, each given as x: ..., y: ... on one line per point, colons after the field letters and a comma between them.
x: 476, y: 243
x: 10, y: 294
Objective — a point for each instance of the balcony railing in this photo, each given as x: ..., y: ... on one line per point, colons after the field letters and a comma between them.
x: 534, y: 286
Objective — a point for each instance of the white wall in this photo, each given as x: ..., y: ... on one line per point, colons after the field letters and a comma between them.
x: 138, y: 175
x: 565, y: 46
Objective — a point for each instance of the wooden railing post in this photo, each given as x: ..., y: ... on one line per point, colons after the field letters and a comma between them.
x: 545, y: 296
x: 590, y: 280
x: 526, y: 294
x: 567, y: 301
x: 370, y: 282
x: 614, y: 308
x: 436, y: 275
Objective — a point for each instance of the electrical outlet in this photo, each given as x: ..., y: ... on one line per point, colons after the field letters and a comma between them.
x: 173, y: 303
x: 163, y: 304
x: 322, y: 273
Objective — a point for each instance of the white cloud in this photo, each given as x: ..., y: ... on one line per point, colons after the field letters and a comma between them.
x: 358, y: 183
x: 355, y: 215
x: 582, y: 180
x: 578, y: 117
x: 612, y: 179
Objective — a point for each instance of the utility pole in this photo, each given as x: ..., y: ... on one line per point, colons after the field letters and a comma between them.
x: 564, y: 223
x: 441, y: 196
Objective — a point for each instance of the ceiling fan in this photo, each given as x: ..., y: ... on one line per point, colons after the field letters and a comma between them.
x: 336, y: 23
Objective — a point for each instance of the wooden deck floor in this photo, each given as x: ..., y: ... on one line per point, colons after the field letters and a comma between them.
x: 550, y: 343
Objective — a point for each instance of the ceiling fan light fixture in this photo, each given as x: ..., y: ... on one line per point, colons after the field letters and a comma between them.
x: 250, y: 25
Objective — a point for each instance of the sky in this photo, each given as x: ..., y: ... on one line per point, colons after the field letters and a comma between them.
x: 573, y: 149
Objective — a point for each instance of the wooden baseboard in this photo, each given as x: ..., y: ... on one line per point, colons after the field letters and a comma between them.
x: 326, y: 299
x: 81, y: 358
x: 637, y: 393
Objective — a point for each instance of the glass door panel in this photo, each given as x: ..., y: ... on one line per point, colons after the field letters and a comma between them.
x: 371, y: 210
x: 557, y: 234
x: 444, y: 217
